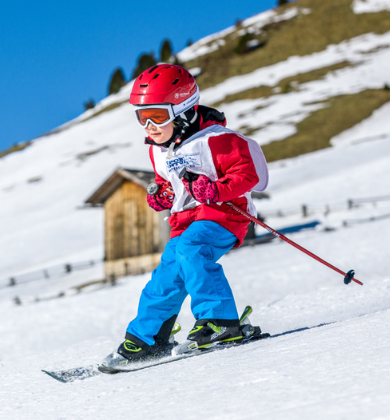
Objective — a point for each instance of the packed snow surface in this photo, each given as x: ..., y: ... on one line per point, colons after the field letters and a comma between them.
x: 328, y: 358
x: 370, y: 6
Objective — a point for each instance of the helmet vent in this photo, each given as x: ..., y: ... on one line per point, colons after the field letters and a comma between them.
x: 143, y: 86
x: 155, y: 77
x: 180, y: 71
x: 140, y: 77
x: 177, y: 80
x: 153, y: 68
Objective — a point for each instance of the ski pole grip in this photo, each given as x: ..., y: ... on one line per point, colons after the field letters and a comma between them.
x: 189, y: 176
x: 152, y: 188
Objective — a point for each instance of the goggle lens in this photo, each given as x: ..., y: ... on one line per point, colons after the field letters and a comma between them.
x: 156, y: 115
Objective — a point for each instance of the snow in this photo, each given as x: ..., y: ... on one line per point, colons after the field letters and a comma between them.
x: 337, y: 367
x: 271, y: 16
x: 204, y: 45
x: 375, y: 127
x: 370, y: 6
x: 39, y: 214
x: 329, y: 358
x: 254, y: 24
x: 276, y: 117
x: 359, y: 50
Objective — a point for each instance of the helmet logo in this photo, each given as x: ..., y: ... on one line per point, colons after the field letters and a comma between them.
x: 181, y: 95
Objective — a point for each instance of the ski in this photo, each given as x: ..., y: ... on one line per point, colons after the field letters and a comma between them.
x: 182, y: 351
x: 74, y: 374
x: 137, y: 366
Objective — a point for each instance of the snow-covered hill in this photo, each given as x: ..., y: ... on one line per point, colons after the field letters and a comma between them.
x: 330, y: 357
x: 42, y: 223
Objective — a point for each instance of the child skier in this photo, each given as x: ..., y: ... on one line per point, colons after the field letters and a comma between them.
x: 200, y: 165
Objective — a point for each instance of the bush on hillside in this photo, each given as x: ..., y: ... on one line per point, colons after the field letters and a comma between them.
x: 144, y: 62
x: 89, y: 105
x: 242, y: 43
x: 165, y: 51
x: 174, y: 60
x: 117, y: 81
x: 282, y: 2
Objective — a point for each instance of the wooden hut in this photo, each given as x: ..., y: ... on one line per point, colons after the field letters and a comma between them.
x: 135, y: 235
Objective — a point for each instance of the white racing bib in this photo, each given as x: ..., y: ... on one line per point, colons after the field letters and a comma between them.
x: 195, y: 155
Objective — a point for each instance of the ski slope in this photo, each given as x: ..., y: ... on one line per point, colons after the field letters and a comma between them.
x: 338, y: 367
x: 43, y: 187
x: 328, y: 358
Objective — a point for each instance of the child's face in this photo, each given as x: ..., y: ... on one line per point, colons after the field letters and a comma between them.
x: 159, y: 134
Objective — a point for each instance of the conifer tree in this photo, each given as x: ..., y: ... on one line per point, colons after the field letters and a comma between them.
x: 144, y: 62
x: 282, y: 2
x: 166, y: 51
x: 117, y: 81
x: 89, y: 105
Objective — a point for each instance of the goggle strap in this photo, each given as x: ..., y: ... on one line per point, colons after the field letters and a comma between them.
x: 170, y: 150
x: 194, y: 119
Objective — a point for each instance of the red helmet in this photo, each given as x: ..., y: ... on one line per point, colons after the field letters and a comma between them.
x: 165, y: 83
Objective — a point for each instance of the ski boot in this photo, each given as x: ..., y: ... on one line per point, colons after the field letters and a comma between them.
x: 208, y: 333
x: 135, y: 350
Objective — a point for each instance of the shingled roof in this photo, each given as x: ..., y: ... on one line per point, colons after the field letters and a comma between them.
x: 115, y: 181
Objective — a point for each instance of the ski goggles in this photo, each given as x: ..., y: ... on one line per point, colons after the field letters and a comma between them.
x: 158, y: 115
x: 162, y: 114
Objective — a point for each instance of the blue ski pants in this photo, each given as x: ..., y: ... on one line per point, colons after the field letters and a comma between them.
x: 188, y: 266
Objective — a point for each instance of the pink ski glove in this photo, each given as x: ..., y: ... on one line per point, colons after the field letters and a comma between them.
x: 160, y: 196
x: 200, y: 187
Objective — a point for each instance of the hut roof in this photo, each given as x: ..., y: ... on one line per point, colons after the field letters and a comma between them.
x: 115, y: 181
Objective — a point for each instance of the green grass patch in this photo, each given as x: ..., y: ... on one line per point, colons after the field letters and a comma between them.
x: 286, y: 85
x: 253, y: 93
x: 315, y: 132
x: 330, y: 22
x: 248, y: 130
x: 15, y: 148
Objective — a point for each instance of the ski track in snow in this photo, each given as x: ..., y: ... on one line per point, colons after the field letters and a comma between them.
x: 330, y: 357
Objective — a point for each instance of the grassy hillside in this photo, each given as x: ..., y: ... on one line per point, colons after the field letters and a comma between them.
x: 286, y: 85
x: 318, y: 24
x: 341, y: 112
x: 330, y: 22
x: 15, y: 148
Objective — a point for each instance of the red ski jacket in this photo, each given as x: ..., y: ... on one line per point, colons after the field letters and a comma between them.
x: 236, y: 175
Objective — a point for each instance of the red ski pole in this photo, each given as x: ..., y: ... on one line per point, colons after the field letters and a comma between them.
x: 348, y: 277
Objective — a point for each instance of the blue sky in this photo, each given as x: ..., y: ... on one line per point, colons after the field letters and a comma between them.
x: 56, y: 55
